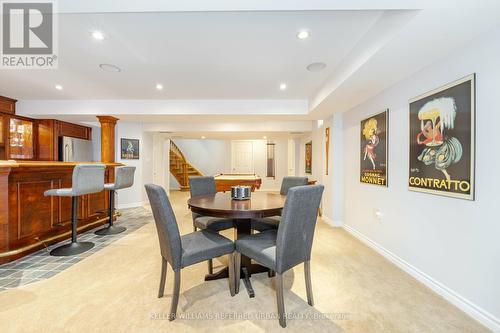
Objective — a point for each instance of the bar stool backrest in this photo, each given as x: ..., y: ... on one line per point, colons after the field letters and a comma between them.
x: 166, y: 225
x: 124, y: 177
x: 289, y: 182
x: 88, y: 178
x: 296, y: 229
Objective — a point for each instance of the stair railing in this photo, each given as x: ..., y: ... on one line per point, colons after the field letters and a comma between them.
x: 176, y: 150
x: 184, y: 164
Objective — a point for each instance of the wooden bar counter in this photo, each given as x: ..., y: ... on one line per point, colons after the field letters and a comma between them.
x: 30, y: 221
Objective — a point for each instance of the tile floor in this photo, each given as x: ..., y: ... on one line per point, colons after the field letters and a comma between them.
x: 40, y: 265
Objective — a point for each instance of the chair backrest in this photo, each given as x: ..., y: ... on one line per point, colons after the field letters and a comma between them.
x: 201, y: 185
x: 88, y: 178
x: 289, y: 182
x: 124, y: 177
x: 296, y: 229
x: 166, y: 225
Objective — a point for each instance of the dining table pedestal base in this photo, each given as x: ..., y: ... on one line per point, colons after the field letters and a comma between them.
x: 221, y: 205
x: 245, y: 273
x: 243, y: 228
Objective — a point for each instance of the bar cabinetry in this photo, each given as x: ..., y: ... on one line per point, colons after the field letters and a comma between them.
x: 21, y: 139
x: 30, y: 221
x: 7, y: 105
x: 49, y: 131
x: 3, y: 152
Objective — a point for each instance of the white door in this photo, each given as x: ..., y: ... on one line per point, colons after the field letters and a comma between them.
x: 242, y: 157
x: 291, y: 157
x: 161, y: 165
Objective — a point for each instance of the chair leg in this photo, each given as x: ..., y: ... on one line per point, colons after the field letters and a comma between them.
x: 163, y: 277
x: 175, y: 295
x: 279, y: 298
x: 307, y: 273
x: 231, y: 274
x: 237, y: 270
x: 210, y: 263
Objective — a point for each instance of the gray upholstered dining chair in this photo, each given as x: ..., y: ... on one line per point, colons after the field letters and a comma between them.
x: 272, y: 222
x: 290, y: 245
x: 204, y: 186
x: 86, y: 179
x: 186, y: 250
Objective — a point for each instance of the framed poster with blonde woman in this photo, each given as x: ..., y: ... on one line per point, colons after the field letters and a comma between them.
x: 373, y: 149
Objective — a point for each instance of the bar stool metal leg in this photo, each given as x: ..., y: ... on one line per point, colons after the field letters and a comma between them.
x: 74, y: 247
x: 111, y: 229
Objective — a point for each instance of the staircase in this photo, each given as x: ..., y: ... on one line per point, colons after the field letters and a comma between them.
x: 180, y: 168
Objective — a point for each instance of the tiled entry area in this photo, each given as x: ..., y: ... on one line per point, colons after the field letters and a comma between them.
x: 40, y: 265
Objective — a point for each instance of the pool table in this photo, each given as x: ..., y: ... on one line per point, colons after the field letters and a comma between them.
x: 224, y: 181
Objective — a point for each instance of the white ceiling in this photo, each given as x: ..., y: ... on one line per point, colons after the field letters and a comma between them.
x: 235, y: 54
x: 194, y: 55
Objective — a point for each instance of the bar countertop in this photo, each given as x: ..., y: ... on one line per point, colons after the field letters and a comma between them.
x: 8, y: 164
x: 27, y: 164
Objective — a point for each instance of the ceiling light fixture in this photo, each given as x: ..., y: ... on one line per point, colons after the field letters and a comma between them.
x: 316, y: 66
x: 282, y: 86
x: 264, y: 137
x: 159, y: 86
x: 110, y: 68
x: 303, y: 34
x: 203, y: 137
x: 58, y: 87
x: 97, y: 35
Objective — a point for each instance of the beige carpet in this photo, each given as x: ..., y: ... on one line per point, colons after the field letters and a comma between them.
x: 114, y: 290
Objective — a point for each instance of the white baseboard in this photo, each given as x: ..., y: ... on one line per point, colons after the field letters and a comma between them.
x: 476, y: 312
x: 131, y: 205
x: 331, y: 222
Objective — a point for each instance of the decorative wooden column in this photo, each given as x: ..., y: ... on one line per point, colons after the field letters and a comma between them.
x: 108, y: 124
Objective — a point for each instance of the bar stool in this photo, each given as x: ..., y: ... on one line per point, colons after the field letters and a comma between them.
x: 124, y: 177
x: 87, y: 178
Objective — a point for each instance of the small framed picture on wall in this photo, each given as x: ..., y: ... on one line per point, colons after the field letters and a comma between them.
x: 373, y: 149
x: 129, y: 149
x: 308, y: 157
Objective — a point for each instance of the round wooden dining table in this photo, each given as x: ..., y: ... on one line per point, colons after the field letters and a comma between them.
x: 260, y: 204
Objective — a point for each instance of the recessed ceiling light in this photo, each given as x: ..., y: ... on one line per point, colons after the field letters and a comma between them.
x: 203, y: 137
x: 97, y: 35
x: 264, y: 137
x: 316, y: 66
x: 159, y: 86
x: 58, y: 87
x: 303, y: 34
x: 110, y: 68
x: 282, y: 86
